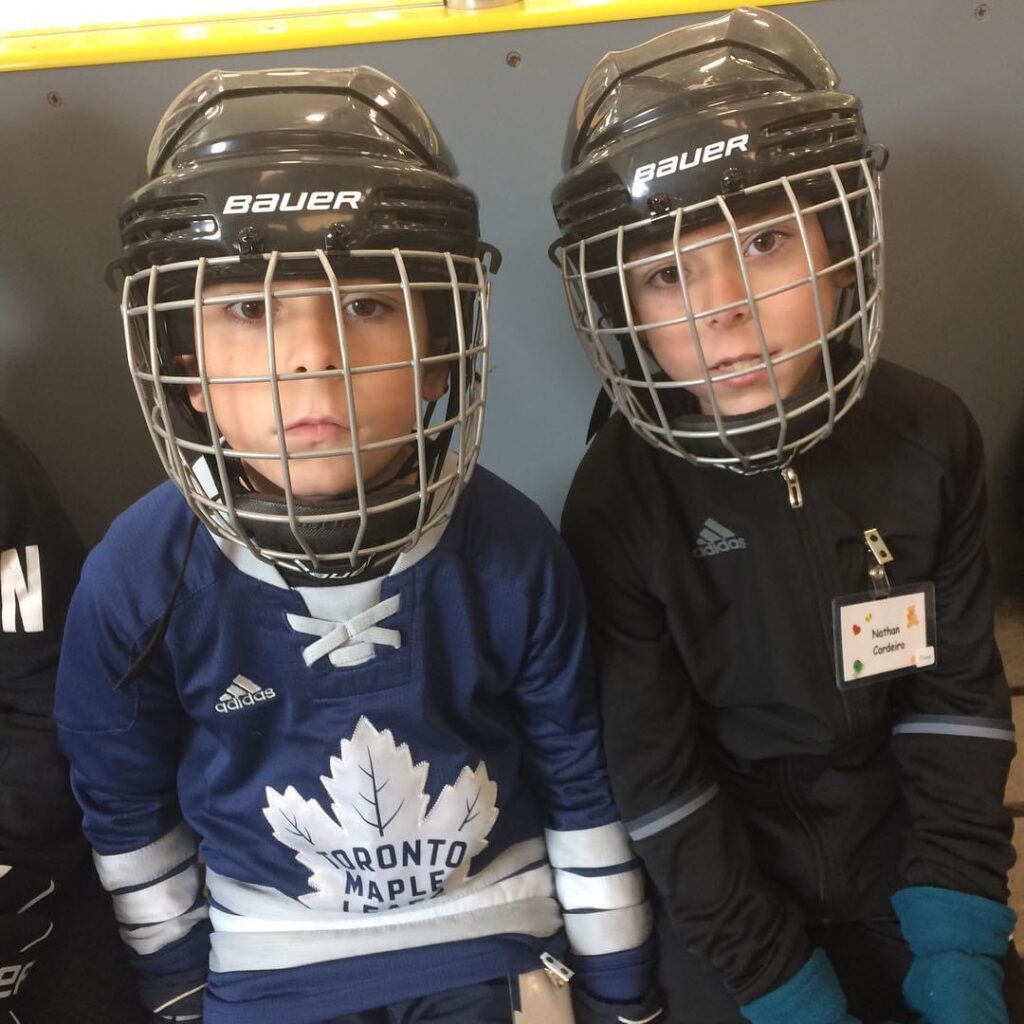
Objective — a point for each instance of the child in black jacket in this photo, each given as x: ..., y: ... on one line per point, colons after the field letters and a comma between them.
x: 806, y: 720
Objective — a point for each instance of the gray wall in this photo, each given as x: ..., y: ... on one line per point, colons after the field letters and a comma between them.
x: 942, y: 87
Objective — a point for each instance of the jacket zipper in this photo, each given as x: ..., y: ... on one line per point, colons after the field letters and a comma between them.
x: 824, y: 600
x: 797, y: 806
x: 790, y: 791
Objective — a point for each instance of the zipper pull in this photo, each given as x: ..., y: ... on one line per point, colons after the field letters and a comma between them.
x: 557, y: 972
x: 878, y: 578
x: 796, y: 496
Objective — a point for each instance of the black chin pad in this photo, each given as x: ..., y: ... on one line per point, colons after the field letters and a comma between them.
x: 334, y: 536
x: 755, y: 435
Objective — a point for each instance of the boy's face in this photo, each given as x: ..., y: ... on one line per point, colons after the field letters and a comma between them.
x: 315, y: 412
x: 774, y: 257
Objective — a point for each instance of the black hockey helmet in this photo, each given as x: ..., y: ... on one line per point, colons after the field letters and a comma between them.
x: 294, y: 160
x: 319, y: 175
x: 699, y: 126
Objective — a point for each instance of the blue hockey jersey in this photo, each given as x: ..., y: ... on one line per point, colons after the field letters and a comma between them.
x: 388, y: 788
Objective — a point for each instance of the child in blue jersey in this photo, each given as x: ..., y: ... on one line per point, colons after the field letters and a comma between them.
x: 807, y: 725
x: 325, y: 693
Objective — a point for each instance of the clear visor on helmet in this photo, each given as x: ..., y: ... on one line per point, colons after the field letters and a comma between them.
x: 303, y: 403
x: 737, y: 331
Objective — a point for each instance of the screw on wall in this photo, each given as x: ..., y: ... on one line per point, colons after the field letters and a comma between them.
x: 981, y: 11
x: 54, y: 99
x: 513, y: 58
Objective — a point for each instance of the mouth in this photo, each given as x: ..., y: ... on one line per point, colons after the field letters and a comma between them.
x: 741, y: 371
x: 316, y: 428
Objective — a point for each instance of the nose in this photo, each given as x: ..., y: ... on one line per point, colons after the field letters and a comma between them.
x: 723, y: 286
x: 312, y: 342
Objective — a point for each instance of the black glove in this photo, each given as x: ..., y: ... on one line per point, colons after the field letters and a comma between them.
x: 589, y: 1009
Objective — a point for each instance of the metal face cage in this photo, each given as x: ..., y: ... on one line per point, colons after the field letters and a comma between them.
x: 251, y: 495
x: 690, y: 416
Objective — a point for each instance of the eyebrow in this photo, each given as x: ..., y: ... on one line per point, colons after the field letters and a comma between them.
x: 761, y: 220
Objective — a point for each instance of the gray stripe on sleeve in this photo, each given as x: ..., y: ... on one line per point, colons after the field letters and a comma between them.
x: 954, y: 725
x: 670, y: 814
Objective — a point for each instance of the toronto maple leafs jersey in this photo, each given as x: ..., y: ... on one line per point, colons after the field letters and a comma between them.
x: 394, y: 786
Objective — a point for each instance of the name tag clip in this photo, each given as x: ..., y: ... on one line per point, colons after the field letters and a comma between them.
x: 878, y: 578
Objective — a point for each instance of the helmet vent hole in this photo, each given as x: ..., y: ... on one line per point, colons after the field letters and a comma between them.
x: 810, y: 133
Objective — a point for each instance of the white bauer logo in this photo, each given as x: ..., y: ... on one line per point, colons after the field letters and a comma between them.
x: 291, y: 202
x: 687, y: 160
x: 381, y: 849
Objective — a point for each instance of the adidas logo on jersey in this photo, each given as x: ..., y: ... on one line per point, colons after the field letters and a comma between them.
x: 716, y: 539
x: 243, y: 693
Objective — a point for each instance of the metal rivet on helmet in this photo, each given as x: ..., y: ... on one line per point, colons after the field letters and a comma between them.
x: 338, y: 238
x: 660, y: 204
x: 733, y: 180
x: 249, y: 241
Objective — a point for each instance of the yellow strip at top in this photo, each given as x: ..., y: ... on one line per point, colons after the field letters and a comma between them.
x: 370, y: 21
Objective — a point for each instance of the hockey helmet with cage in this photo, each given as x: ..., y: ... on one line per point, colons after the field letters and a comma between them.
x: 316, y: 176
x: 703, y: 125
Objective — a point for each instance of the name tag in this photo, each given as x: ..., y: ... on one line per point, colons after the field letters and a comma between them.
x: 879, y: 637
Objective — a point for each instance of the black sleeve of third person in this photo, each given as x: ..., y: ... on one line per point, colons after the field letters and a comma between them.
x: 40, y: 559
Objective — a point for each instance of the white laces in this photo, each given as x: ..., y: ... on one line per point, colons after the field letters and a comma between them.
x: 351, y: 641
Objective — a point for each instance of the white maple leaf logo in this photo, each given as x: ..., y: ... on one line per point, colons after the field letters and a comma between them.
x: 382, y: 850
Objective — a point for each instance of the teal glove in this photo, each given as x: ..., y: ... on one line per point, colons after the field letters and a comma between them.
x: 957, y: 940
x: 812, y: 996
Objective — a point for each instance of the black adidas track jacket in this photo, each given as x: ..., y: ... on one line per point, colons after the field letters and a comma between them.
x: 757, y: 793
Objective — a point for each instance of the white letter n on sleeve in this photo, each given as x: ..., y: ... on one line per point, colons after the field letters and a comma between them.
x: 21, y: 589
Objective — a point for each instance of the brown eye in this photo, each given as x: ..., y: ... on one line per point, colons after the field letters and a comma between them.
x: 764, y: 243
x: 365, y: 309
x: 667, y: 275
x: 251, y: 310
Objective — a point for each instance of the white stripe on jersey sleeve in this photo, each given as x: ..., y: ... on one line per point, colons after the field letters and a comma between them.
x: 604, y: 906
x: 609, y: 931
x: 145, y: 865
x: 161, y: 901
x: 150, y: 938
x: 603, y: 847
x: 155, y: 890
x: 601, y: 892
